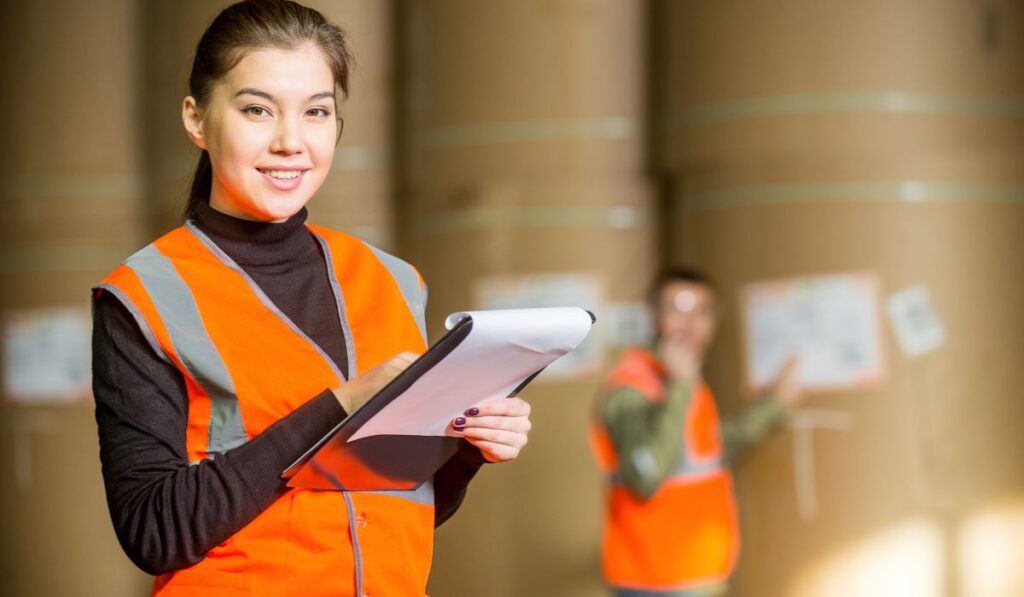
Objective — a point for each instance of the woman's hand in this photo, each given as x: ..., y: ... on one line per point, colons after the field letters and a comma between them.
x: 498, y: 428
x: 361, y: 388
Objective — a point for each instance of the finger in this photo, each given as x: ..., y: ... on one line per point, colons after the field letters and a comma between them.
x: 495, y: 452
x: 407, y: 356
x: 514, y: 407
x: 403, y: 359
x: 519, y: 424
x: 498, y: 436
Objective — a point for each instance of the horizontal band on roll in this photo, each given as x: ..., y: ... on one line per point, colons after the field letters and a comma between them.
x: 568, y: 129
x: 74, y: 258
x: 70, y: 185
x: 360, y: 157
x: 908, y: 191
x: 900, y: 102
x: 621, y: 217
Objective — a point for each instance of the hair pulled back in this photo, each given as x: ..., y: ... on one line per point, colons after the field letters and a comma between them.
x: 253, y: 25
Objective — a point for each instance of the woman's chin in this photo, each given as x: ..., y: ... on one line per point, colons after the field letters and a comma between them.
x: 279, y: 212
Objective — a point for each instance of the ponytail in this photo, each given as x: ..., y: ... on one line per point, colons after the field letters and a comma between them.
x: 202, y: 181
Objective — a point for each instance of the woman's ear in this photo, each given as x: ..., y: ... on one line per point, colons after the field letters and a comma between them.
x: 193, y: 121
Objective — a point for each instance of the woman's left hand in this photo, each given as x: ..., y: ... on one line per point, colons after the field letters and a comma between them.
x: 498, y: 428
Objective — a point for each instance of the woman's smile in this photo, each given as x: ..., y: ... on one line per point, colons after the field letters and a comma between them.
x: 283, y: 178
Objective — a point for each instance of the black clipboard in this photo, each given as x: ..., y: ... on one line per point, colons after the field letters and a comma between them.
x: 384, y: 462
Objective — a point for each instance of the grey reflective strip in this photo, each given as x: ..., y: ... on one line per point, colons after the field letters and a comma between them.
x: 357, y: 554
x: 140, y: 319
x: 409, y: 284
x: 682, y: 473
x: 177, y: 307
x: 691, y: 469
x: 339, y: 299
x: 424, y: 494
x: 269, y: 304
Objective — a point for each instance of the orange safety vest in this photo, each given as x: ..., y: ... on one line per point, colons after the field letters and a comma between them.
x: 246, y: 365
x: 686, y: 535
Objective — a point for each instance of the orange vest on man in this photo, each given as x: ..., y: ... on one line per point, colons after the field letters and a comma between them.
x: 246, y: 365
x: 686, y: 535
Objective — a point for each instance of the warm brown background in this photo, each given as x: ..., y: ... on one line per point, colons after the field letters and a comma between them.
x: 758, y: 140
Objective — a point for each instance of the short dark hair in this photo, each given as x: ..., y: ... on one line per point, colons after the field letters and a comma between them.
x: 677, y: 273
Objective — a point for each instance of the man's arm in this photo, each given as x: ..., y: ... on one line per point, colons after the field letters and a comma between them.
x: 648, y: 437
x: 747, y: 428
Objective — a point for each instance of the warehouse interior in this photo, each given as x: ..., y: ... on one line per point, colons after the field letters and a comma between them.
x: 545, y: 152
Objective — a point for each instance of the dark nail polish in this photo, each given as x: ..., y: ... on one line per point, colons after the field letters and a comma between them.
x: 459, y: 428
x: 473, y: 411
x: 459, y: 422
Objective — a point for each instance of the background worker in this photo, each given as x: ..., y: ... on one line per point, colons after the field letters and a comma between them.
x: 671, y: 526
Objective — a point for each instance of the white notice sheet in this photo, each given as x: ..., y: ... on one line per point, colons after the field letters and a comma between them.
x: 830, y: 324
x: 502, y: 349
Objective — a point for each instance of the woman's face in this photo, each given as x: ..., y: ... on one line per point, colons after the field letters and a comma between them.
x: 270, y: 128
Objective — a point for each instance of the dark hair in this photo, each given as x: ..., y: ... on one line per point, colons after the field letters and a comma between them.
x: 250, y: 25
x: 677, y: 273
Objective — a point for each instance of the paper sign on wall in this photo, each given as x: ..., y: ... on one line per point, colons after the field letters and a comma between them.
x: 829, y: 323
x: 627, y: 324
x: 914, y: 322
x: 46, y: 355
x: 551, y: 290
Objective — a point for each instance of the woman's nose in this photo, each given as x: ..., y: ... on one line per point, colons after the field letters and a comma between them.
x: 286, y: 138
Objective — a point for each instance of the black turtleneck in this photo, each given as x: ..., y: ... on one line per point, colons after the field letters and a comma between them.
x: 166, y: 513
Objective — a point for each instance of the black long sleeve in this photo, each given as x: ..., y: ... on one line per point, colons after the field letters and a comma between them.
x: 167, y: 513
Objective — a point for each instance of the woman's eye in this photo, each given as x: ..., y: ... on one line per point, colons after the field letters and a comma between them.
x: 318, y: 112
x: 255, y: 111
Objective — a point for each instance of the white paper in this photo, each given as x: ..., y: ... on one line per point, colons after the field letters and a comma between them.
x: 914, y: 322
x: 532, y: 291
x: 46, y: 355
x: 829, y: 323
x: 502, y: 349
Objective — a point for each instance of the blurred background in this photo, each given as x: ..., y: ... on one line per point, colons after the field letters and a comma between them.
x: 851, y: 174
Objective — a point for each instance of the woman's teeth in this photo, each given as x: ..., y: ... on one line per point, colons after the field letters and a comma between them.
x: 283, y: 174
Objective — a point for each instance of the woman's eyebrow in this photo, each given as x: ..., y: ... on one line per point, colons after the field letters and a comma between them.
x: 256, y: 92
x: 268, y: 97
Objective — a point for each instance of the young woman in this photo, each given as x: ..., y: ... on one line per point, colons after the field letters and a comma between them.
x: 229, y: 346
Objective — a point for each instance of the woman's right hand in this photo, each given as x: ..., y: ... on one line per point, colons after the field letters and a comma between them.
x: 361, y: 388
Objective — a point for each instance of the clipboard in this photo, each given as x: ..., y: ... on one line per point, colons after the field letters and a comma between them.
x: 386, y: 462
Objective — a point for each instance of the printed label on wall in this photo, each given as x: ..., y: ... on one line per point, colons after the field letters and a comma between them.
x: 917, y: 328
x: 830, y: 324
x: 47, y: 355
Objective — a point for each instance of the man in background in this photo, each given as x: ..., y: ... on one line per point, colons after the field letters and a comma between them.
x: 671, y: 525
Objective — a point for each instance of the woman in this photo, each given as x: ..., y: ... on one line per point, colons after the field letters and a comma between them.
x: 228, y: 347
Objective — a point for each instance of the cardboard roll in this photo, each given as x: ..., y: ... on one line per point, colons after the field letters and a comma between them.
x: 933, y: 439
x: 539, y: 89
x: 795, y: 71
x: 808, y: 139
x: 604, y: 234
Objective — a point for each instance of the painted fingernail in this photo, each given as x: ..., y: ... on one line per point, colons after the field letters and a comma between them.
x: 473, y: 411
x: 459, y: 428
x: 459, y: 421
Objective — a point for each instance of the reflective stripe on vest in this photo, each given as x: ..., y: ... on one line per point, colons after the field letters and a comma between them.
x: 203, y: 314
x: 177, y: 307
